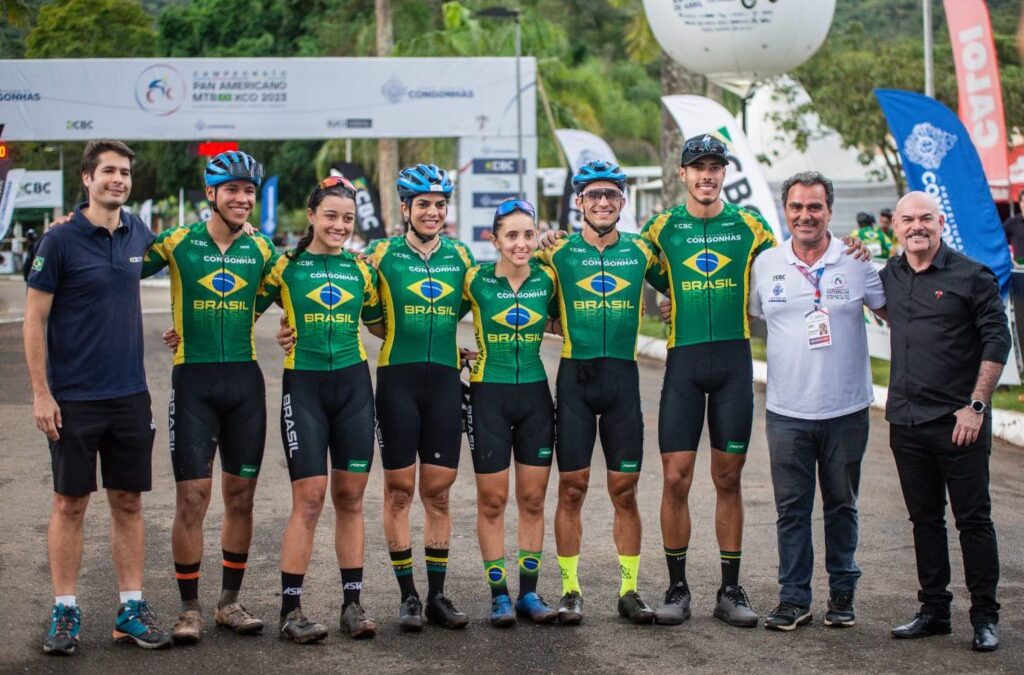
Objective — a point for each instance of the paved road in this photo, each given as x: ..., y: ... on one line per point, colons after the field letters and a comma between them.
x: 603, y: 644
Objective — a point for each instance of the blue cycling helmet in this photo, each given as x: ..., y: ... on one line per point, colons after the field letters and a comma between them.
x: 424, y: 179
x: 233, y: 165
x: 599, y: 169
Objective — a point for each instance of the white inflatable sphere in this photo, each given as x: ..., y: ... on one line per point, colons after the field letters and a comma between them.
x: 738, y: 42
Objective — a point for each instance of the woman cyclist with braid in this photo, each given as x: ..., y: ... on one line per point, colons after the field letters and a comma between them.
x: 327, y: 401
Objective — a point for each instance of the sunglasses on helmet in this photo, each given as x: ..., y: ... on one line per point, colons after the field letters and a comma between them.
x: 332, y: 181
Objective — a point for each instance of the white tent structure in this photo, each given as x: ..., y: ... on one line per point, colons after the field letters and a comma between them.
x: 856, y: 188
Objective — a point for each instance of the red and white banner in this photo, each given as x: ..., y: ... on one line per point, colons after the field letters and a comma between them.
x: 981, y: 94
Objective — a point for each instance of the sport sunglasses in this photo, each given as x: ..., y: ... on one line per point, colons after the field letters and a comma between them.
x: 332, y: 181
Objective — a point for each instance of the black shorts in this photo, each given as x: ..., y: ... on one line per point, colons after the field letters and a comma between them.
x: 507, y: 418
x: 119, y: 430
x: 723, y: 373
x: 217, y: 405
x: 419, y: 410
x: 327, y: 411
x: 589, y: 388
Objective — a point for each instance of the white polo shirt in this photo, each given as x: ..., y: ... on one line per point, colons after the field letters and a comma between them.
x: 816, y: 383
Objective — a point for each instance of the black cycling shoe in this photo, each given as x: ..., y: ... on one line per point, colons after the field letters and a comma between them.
x: 676, y: 608
x: 410, y: 615
x: 633, y: 607
x: 570, y: 609
x: 734, y: 608
x: 441, y: 611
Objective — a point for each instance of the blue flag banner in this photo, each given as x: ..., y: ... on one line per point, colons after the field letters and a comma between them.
x: 940, y: 159
x: 268, y: 207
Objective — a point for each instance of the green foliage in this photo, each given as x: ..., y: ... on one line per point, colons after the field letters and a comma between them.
x: 91, y: 29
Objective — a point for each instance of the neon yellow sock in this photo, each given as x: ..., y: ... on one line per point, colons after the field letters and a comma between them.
x: 629, y: 568
x: 567, y: 565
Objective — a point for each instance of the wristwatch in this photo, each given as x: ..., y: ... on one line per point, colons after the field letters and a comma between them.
x: 978, y: 406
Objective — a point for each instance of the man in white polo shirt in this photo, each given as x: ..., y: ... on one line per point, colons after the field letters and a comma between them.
x: 819, y: 390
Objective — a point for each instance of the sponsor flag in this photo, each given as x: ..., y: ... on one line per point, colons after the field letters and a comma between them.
x: 980, y: 90
x: 268, y: 207
x: 368, y: 214
x: 939, y: 158
x: 10, y: 179
x: 582, y: 147
x: 745, y: 183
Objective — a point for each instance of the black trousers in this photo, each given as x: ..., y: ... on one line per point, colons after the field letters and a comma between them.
x: 929, y: 465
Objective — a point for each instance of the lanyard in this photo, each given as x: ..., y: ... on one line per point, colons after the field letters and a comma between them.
x: 815, y: 281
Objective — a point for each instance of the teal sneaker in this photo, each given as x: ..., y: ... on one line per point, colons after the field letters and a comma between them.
x: 501, y: 612
x: 62, y: 638
x: 532, y: 606
x: 136, y: 622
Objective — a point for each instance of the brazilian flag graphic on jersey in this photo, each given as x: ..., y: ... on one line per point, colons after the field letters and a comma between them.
x: 329, y: 296
x: 707, y: 263
x: 223, y: 282
x: 431, y: 290
x: 603, y: 284
x: 517, y: 317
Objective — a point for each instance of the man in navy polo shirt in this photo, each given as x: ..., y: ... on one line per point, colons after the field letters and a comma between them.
x: 83, y: 345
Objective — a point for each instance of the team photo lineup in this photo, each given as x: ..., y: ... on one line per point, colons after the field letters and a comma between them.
x: 603, y: 255
x: 410, y: 291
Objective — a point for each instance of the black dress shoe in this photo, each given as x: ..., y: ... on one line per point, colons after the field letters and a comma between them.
x: 986, y: 639
x: 922, y: 625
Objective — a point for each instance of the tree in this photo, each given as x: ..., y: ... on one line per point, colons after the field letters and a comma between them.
x: 91, y: 29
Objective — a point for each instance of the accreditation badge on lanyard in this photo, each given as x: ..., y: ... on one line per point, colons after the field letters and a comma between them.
x: 819, y: 331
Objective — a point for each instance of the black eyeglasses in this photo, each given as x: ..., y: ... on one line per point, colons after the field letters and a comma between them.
x: 708, y: 144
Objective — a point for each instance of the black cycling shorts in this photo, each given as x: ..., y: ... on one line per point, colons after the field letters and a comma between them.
x: 327, y: 411
x: 586, y: 389
x: 723, y: 373
x: 419, y: 411
x: 507, y: 418
x: 217, y: 405
x: 119, y: 430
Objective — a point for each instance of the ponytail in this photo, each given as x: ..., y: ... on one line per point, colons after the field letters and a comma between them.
x: 302, y: 245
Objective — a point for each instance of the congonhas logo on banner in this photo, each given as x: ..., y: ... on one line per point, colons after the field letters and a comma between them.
x: 395, y: 91
x: 18, y: 95
x: 160, y: 90
x: 927, y: 145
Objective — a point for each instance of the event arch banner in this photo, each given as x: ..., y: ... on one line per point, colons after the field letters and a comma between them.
x: 263, y: 98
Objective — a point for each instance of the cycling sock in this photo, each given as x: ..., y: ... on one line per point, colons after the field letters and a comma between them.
x: 529, y: 569
x: 567, y: 565
x: 127, y: 596
x: 401, y: 565
x: 187, y: 575
x: 231, y: 579
x: 731, y: 568
x: 676, y: 559
x: 291, y: 592
x: 351, y: 585
x: 496, y: 576
x: 66, y: 600
x: 629, y: 569
x: 437, y: 567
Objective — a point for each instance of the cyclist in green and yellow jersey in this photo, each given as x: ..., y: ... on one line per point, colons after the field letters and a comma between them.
x: 419, y: 398
x: 217, y: 390
x: 709, y: 247
x: 878, y: 243
x: 327, y: 401
x: 600, y: 274
x: 510, y: 411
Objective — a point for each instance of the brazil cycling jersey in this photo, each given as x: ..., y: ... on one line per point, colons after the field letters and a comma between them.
x: 600, y: 293
x: 875, y: 240
x: 422, y: 300
x: 509, y: 324
x: 709, y: 263
x: 323, y: 297
x: 213, y: 294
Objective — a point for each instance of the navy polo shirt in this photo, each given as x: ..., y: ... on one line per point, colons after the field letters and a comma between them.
x: 94, y: 333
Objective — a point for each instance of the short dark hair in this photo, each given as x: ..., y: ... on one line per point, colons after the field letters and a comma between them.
x: 93, y: 150
x: 809, y: 179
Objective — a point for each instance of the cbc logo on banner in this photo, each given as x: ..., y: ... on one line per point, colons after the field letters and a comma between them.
x: 160, y: 90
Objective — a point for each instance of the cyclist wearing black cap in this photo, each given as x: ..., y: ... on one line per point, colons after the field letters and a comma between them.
x: 709, y: 246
